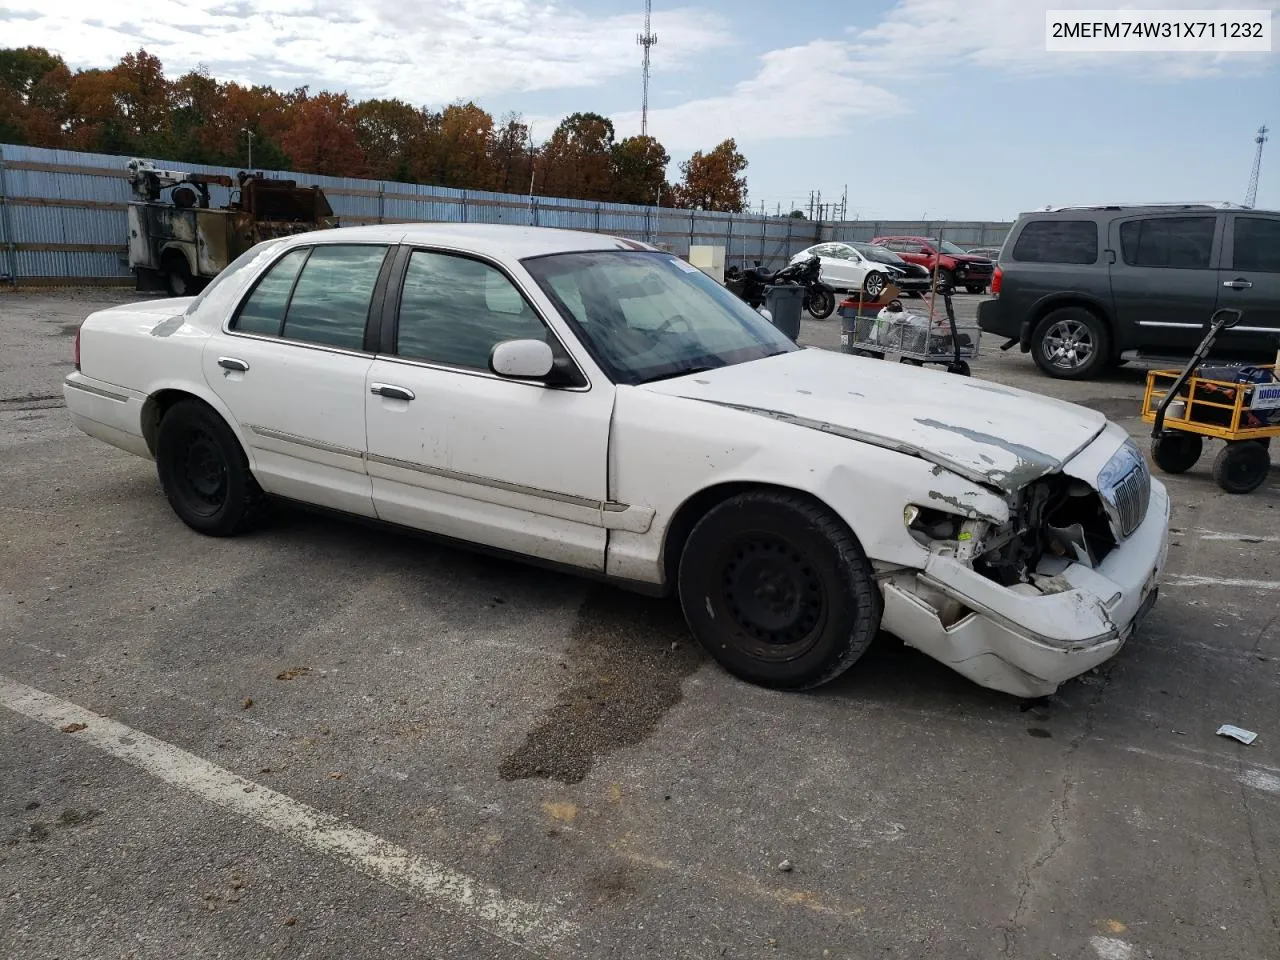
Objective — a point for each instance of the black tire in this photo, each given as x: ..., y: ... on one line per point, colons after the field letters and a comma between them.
x: 1177, y: 452
x: 778, y: 590
x: 822, y: 302
x: 1241, y: 467
x: 975, y: 287
x: 204, y: 472
x: 945, y: 281
x: 959, y: 366
x: 1071, y: 343
x: 911, y: 361
x: 873, y: 284
x: 177, y: 277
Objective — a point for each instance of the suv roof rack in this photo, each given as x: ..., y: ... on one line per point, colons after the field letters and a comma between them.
x: 1202, y: 205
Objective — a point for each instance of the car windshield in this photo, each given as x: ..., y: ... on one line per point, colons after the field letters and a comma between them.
x: 650, y: 316
x: 878, y: 254
x: 946, y: 246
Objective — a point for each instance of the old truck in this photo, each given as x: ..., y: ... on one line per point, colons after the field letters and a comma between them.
x: 180, y: 243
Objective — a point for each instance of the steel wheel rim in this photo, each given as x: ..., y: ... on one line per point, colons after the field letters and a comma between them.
x: 773, y: 596
x: 202, y: 473
x: 1069, y: 344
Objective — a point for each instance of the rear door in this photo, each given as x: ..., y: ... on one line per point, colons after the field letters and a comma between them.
x: 291, y: 366
x: 1250, y: 281
x: 1164, y: 281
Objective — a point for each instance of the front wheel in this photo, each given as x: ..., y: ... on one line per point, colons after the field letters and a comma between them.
x: 945, y: 282
x: 975, y: 288
x: 822, y: 302
x: 873, y: 284
x: 959, y: 366
x: 1241, y: 467
x: 1071, y: 343
x: 204, y: 472
x: 1177, y: 452
x: 778, y: 590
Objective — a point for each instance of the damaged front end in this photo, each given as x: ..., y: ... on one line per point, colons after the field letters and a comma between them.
x: 1023, y: 604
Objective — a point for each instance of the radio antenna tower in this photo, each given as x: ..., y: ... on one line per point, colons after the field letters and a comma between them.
x: 1251, y: 195
x: 646, y: 40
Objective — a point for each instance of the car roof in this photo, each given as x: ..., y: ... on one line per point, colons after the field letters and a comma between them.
x: 495, y: 239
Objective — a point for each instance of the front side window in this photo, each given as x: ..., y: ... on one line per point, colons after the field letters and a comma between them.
x: 650, y: 316
x: 1257, y: 244
x: 315, y: 295
x: 1057, y: 241
x: 1180, y: 242
x: 946, y: 246
x: 455, y: 310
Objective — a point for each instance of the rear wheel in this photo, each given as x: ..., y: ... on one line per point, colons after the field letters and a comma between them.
x: 975, y: 288
x: 1071, y: 343
x: 778, y: 590
x: 1177, y: 452
x: 177, y: 277
x: 204, y: 472
x: 1241, y: 467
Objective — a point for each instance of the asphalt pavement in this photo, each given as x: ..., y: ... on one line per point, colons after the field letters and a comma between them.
x: 322, y: 740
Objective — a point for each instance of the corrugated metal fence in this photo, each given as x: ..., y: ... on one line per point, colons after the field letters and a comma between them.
x: 62, y: 217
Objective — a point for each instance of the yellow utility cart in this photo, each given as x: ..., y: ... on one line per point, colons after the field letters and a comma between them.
x: 1238, y: 404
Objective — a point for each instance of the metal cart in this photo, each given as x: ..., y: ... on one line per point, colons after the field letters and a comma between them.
x: 945, y: 342
x: 1238, y: 403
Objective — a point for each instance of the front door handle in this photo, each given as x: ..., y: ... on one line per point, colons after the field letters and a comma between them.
x: 391, y: 391
x: 1239, y: 283
x: 233, y: 363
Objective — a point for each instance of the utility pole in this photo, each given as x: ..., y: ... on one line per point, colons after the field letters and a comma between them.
x: 249, y: 133
x: 646, y: 40
x: 820, y: 217
x: 1251, y: 195
x: 844, y: 203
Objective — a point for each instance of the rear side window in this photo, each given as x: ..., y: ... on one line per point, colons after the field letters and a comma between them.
x: 1257, y: 244
x: 263, y: 312
x: 330, y: 302
x: 1057, y: 241
x: 1180, y: 242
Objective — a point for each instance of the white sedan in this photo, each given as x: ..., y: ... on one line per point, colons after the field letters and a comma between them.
x: 597, y: 404
x: 845, y: 268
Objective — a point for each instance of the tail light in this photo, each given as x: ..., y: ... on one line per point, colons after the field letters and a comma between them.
x: 76, y: 349
x: 996, y: 281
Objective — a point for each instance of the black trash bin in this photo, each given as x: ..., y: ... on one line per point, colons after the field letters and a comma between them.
x: 785, y: 303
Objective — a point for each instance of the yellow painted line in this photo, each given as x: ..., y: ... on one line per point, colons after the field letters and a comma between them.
x: 517, y: 922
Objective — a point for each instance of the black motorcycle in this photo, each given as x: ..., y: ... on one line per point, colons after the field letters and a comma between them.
x: 750, y: 284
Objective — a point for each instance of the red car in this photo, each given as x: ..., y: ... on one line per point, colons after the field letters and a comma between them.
x: 956, y: 268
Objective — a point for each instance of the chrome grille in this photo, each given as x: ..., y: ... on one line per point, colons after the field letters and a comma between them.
x: 1131, y: 497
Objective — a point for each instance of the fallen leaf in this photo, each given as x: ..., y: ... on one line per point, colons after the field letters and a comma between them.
x: 248, y: 702
x: 564, y: 812
x: 75, y: 727
x: 335, y: 776
x: 290, y: 921
x: 293, y: 673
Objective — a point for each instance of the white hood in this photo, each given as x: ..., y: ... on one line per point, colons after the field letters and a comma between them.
x: 996, y: 435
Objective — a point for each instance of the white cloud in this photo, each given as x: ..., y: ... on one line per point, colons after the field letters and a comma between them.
x: 429, y: 53
x: 813, y: 90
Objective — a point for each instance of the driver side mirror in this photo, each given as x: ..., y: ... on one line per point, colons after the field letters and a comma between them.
x: 533, y: 360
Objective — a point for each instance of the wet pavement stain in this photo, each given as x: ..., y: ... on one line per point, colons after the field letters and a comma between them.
x: 628, y: 659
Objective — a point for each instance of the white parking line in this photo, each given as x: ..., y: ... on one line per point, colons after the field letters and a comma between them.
x: 517, y: 922
x: 1192, y: 580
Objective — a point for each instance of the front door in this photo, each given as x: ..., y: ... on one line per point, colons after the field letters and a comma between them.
x: 1164, y: 281
x: 455, y: 449
x: 291, y: 367
x: 1250, y: 282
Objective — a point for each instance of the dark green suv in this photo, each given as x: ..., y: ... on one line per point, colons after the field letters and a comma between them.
x: 1083, y: 288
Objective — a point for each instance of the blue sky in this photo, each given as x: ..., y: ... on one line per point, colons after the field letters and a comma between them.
x: 938, y: 108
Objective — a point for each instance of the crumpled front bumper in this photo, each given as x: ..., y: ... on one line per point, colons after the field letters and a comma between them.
x: 1028, y: 640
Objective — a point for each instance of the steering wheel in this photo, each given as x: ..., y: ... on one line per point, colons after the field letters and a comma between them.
x: 666, y: 324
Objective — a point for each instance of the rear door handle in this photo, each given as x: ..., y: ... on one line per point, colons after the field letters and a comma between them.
x: 233, y: 363
x: 391, y: 391
x: 1239, y: 283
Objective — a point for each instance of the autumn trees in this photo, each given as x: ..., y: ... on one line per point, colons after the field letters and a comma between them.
x: 132, y: 108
